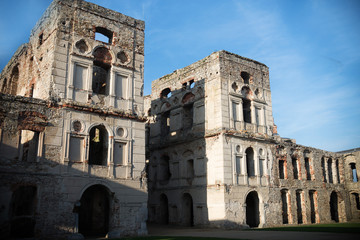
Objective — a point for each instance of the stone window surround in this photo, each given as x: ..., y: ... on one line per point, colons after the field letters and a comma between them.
x: 88, y: 63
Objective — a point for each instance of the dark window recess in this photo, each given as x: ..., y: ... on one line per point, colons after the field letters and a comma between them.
x: 165, y: 123
x: 188, y: 116
x: 353, y: 172
x: 247, y: 110
x: 307, y: 168
x: 295, y: 168
x: 281, y: 169
x: 98, y: 146
x: 166, y: 93
x: 164, y: 171
x: 23, y: 206
x: 103, y: 35
x: 41, y: 38
x: 101, y: 71
x: 245, y: 76
x: 250, y: 164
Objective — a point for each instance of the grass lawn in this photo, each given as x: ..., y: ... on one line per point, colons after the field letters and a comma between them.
x: 333, y: 228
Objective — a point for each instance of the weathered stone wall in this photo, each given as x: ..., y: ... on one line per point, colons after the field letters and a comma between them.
x: 82, y: 143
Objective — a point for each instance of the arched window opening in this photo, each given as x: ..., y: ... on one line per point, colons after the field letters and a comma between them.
x: 188, y: 210
x: 284, y: 201
x: 164, y: 209
x: 166, y: 93
x: 334, y: 207
x: 252, y: 210
x: 98, y: 149
x: 190, y: 172
x: 103, y: 35
x: 94, y: 211
x: 282, y: 167
x: 101, y: 71
x: 188, y: 116
x: 23, y: 206
x: 330, y: 170
x: 250, y: 164
x: 245, y: 76
x: 353, y: 172
x: 323, y: 169
x: 247, y: 110
x: 299, y: 206
x: 313, y: 205
x: 164, y: 170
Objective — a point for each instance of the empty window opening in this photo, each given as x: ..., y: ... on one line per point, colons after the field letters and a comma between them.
x: 191, y: 84
x: 103, y: 35
x: 295, y: 167
x: 353, y: 172
x: 94, y: 211
x: 299, y: 208
x: 14, y: 80
x: 282, y: 167
x: 29, y: 141
x: 337, y: 171
x: 250, y: 164
x: 258, y: 116
x: 23, y: 206
x: 187, y: 210
x: 31, y: 91
x: 356, y: 200
x: 98, y: 149
x: 313, y: 205
x: 330, y: 170
x: 101, y: 71
x: 334, y: 207
x: 323, y: 169
x: 76, y: 149
x: 166, y: 93
x: 164, y: 170
x: 247, y: 110
x: 165, y: 123
x: 190, y: 173
x: 284, y: 201
x: 307, y: 168
x: 252, y: 210
x: 245, y: 76
x: 164, y: 209
x: 119, y: 153
x: 188, y: 116
x: 41, y: 38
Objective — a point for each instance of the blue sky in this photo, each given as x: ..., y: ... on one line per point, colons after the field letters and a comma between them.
x: 311, y: 47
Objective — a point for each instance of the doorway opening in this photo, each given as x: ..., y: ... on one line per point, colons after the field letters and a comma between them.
x: 188, y: 210
x: 252, y: 210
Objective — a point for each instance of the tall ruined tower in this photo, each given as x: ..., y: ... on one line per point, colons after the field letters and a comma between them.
x: 72, y: 126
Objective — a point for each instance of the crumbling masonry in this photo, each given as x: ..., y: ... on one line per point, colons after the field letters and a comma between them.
x: 215, y: 158
x: 76, y: 158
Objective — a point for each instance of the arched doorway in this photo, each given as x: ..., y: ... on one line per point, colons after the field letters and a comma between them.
x: 188, y: 210
x: 164, y: 209
x: 98, y: 149
x: 94, y: 211
x: 334, y: 207
x: 252, y: 209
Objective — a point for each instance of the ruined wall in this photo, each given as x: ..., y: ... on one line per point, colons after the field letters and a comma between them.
x: 84, y: 142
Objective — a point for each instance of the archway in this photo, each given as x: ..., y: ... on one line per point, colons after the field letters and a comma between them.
x: 334, y: 207
x: 188, y: 210
x: 164, y: 209
x: 98, y: 150
x: 252, y: 209
x: 94, y: 211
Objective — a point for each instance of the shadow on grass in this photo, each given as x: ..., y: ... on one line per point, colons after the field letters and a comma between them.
x: 332, y: 228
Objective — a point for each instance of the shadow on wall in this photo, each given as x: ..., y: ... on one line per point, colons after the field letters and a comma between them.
x: 41, y: 197
x: 177, y: 168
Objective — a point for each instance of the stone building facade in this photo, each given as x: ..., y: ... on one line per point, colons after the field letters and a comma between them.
x: 73, y: 128
x: 215, y: 158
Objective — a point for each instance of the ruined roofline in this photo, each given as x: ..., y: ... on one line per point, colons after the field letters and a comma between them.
x: 202, y: 61
x: 349, y: 150
x: 19, y: 51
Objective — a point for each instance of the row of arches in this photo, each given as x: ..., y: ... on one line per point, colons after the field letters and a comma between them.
x: 187, y: 209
